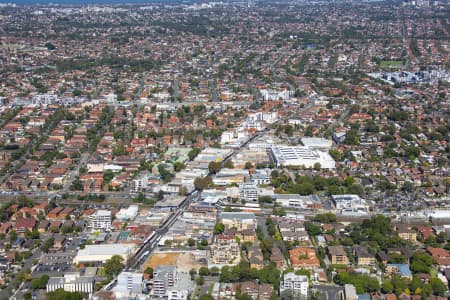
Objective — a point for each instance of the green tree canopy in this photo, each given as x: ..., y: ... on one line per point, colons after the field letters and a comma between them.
x: 113, y: 266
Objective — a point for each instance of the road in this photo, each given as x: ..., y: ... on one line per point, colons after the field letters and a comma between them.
x: 84, y: 159
x: 34, y: 142
x: 329, y: 292
x: 339, y: 120
x: 213, y: 91
x: 146, y: 250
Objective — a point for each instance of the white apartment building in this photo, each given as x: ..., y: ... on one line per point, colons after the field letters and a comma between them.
x: 248, y: 192
x: 164, y: 278
x: 296, y: 284
x: 129, y: 283
x: 101, y: 220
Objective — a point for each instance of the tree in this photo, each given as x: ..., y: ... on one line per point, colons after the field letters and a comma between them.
x: 244, y: 296
x: 312, y: 229
x: 421, y: 262
x: 219, y: 228
x: 60, y: 294
x: 362, y: 283
x: 438, y: 287
x: 326, y: 218
x: 248, y: 165
x: 203, y: 271
x: 39, y: 283
x: 317, y: 166
x: 192, y: 272
x: 149, y: 271
x: 77, y: 185
x: 178, y: 166
x: 50, y: 46
x: 279, y: 211
x: 397, y: 258
x: 206, y: 297
x: 387, y: 287
x: 191, y: 242
x: 203, y: 183
x: 193, y: 153
x: 108, y: 175
x: 18, y: 257
x: 214, y: 271
x: 229, y: 164
x: 214, y: 167
x: 200, y: 280
x: 165, y: 175
x: 12, y: 235
x: 47, y: 244
x: 113, y: 266
x: 427, y: 290
x: 309, y: 131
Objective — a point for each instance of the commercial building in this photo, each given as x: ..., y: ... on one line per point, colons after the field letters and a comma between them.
x: 101, y: 253
x: 295, y: 285
x: 297, y: 201
x: 101, y: 220
x: 261, y: 177
x: 300, y: 156
x: 350, y: 204
x: 230, y: 176
x: 317, y: 143
x: 72, y: 282
x: 127, y: 213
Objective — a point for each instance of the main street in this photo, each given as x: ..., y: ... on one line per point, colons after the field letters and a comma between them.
x: 145, y: 251
x: 140, y: 257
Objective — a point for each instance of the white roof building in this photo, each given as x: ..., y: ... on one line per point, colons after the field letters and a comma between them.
x: 317, y: 143
x: 129, y: 283
x: 72, y: 282
x: 128, y: 213
x: 101, y: 253
x: 295, y: 200
x: 301, y: 156
x: 350, y: 204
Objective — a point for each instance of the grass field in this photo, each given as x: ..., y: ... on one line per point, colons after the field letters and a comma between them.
x: 391, y: 63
